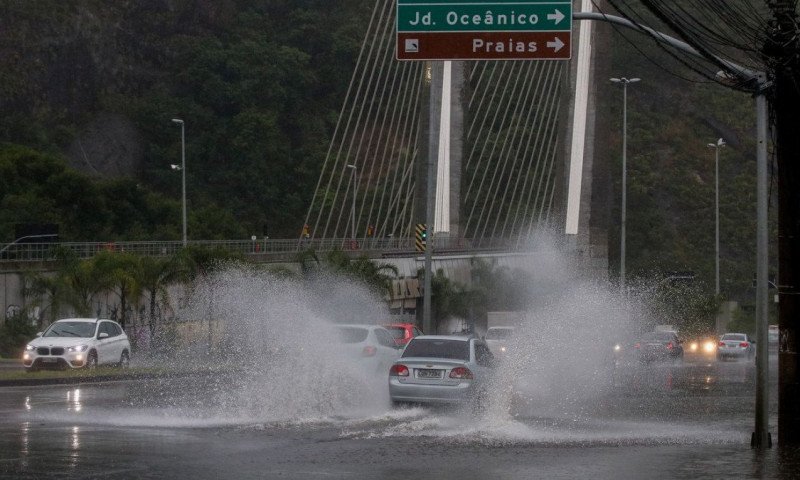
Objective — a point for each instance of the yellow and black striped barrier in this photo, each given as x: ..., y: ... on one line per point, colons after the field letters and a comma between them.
x: 420, y: 237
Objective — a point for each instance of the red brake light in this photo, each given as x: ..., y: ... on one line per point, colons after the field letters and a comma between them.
x: 669, y: 345
x: 461, y: 372
x: 369, y: 351
x: 398, y: 371
x: 637, y: 345
x: 721, y: 344
x: 744, y: 344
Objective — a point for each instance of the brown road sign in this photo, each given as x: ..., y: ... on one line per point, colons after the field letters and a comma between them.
x: 483, y: 45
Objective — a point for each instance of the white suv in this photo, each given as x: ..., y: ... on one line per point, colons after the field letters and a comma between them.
x: 76, y: 343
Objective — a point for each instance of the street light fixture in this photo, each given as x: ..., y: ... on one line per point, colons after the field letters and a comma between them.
x: 716, y: 146
x: 182, y: 168
x: 624, y: 81
x: 355, y: 194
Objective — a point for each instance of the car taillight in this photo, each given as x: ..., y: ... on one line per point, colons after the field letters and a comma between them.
x: 637, y: 345
x: 744, y: 344
x: 461, y: 372
x: 369, y: 351
x: 721, y: 344
x: 398, y: 371
x: 669, y: 345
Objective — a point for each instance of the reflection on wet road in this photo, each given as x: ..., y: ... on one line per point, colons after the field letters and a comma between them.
x: 674, y: 421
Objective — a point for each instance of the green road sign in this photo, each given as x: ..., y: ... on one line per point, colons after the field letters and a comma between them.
x: 479, y: 29
x: 509, y: 17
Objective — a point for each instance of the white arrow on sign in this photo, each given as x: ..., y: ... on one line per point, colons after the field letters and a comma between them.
x: 556, y: 44
x: 556, y: 15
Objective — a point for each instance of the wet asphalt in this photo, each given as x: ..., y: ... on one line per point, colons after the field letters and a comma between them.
x: 690, y: 420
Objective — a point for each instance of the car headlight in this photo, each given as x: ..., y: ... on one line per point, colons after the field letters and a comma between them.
x: 693, y: 346
x: 709, y: 346
x: 79, y: 348
x: 617, y: 347
x: 29, y: 348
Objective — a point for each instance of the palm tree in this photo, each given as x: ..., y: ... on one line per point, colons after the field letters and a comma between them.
x: 155, y: 274
x: 85, y: 283
x: 200, y: 264
x: 308, y: 261
x: 117, y: 272
x: 52, y: 292
x: 74, y: 284
x: 375, y: 276
x: 448, y: 298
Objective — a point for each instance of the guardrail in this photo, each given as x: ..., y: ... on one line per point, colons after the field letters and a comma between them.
x: 39, y: 251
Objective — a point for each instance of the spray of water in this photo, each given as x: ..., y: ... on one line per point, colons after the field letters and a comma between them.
x: 286, y: 361
x: 280, y: 363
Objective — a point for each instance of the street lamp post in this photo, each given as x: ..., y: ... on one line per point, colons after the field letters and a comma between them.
x: 624, y: 81
x: 355, y: 194
x: 182, y: 168
x: 716, y: 146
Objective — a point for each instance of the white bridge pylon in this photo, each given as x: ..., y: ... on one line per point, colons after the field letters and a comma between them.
x: 579, y: 118
x: 441, y: 217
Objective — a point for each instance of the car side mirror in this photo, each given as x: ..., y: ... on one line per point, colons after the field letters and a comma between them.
x: 39, y: 334
x: 102, y: 336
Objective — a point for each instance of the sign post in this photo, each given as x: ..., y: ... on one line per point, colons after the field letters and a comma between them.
x: 484, y: 30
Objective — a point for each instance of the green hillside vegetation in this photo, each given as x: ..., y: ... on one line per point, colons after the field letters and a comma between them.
x: 259, y: 85
x: 672, y: 115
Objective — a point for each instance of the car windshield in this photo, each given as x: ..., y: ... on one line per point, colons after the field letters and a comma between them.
x: 733, y: 336
x: 437, y: 348
x: 352, y: 334
x: 397, y: 332
x: 71, y: 329
x: 499, y: 333
x: 657, y: 336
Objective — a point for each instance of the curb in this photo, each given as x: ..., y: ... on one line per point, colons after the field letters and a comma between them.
x: 27, y: 382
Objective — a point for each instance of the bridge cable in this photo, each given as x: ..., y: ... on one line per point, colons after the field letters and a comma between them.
x: 338, y: 123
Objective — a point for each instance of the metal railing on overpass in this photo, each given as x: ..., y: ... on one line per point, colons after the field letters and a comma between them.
x: 44, y: 251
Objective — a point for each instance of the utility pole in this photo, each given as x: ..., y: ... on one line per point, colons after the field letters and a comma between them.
x: 434, y: 113
x: 782, y: 51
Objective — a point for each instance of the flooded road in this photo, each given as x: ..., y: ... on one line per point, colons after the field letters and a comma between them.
x: 688, y: 420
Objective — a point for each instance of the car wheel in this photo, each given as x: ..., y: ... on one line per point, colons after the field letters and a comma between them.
x: 124, y: 360
x: 91, y: 360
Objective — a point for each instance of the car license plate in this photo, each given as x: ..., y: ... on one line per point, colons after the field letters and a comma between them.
x: 49, y: 360
x: 426, y: 373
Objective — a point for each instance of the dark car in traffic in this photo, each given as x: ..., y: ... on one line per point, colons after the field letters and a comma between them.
x: 659, y: 346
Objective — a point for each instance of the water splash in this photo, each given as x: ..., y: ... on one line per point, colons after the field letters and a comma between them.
x: 283, y: 368
x: 278, y: 336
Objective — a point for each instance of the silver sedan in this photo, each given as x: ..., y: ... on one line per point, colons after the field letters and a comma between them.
x: 441, y: 369
x: 735, y: 345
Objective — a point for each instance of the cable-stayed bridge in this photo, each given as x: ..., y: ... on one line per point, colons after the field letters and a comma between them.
x: 510, y: 140
x: 514, y: 147
x: 492, y: 126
